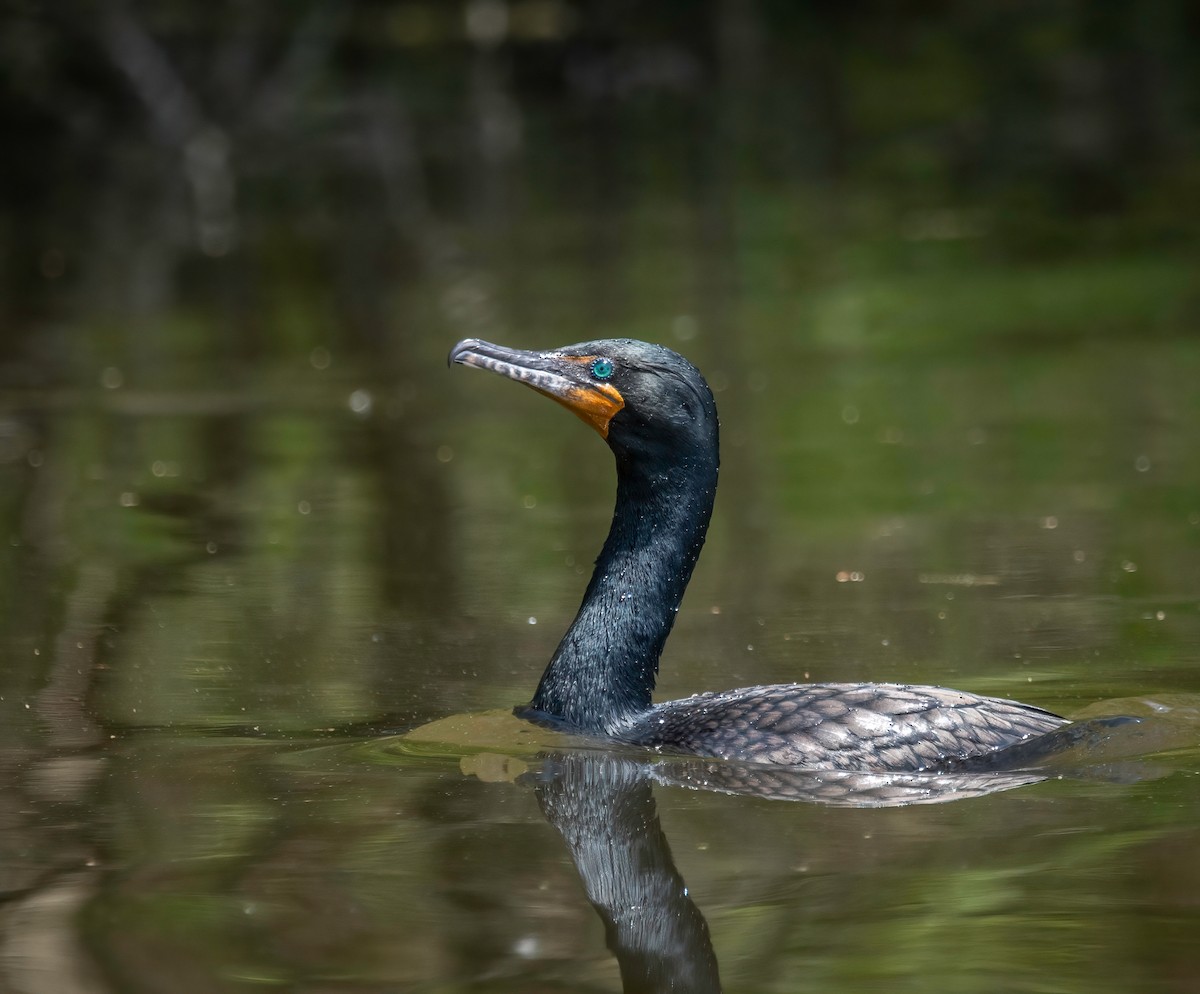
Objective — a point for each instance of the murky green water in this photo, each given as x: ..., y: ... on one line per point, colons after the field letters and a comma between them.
x: 256, y: 532
x: 211, y: 582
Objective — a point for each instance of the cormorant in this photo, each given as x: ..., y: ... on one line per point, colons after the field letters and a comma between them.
x: 658, y: 416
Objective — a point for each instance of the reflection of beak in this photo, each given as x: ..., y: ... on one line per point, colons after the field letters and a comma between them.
x: 565, y: 378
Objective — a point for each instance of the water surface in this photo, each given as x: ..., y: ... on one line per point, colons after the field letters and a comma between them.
x: 221, y: 595
x: 256, y: 533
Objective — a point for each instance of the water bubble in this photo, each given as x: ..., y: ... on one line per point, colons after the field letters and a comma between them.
x: 850, y: 414
x: 444, y: 453
x: 1049, y: 522
x: 1142, y: 464
x: 320, y: 358
x: 129, y: 499
x: 532, y: 620
x: 304, y: 507
x: 360, y: 401
x: 684, y: 327
x: 111, y: 378
x: 527, y: 947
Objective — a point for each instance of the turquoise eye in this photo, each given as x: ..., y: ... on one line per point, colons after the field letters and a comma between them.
x: 602, y: 369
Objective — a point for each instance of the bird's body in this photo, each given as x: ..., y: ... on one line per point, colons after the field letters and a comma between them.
x: 840, y: 726
x: 659, y: 418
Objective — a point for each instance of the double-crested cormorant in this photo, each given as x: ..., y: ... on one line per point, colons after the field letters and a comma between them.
x: 657, y: 414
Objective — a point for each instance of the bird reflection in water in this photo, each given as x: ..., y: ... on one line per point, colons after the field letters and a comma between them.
x: 603, y: 807
x: 602, y: 804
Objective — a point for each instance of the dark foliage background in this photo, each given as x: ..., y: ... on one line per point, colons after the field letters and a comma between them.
x: 216, y: 154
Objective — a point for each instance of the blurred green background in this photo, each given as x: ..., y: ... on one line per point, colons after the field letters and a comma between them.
x: 939, y: 264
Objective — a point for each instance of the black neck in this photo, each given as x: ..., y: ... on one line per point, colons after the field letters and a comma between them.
x: 603, y: 672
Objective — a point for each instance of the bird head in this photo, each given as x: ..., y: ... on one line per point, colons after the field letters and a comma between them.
x: 644, y: 400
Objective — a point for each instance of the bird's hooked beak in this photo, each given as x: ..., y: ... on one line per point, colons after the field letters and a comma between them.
x: 565, y: 378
